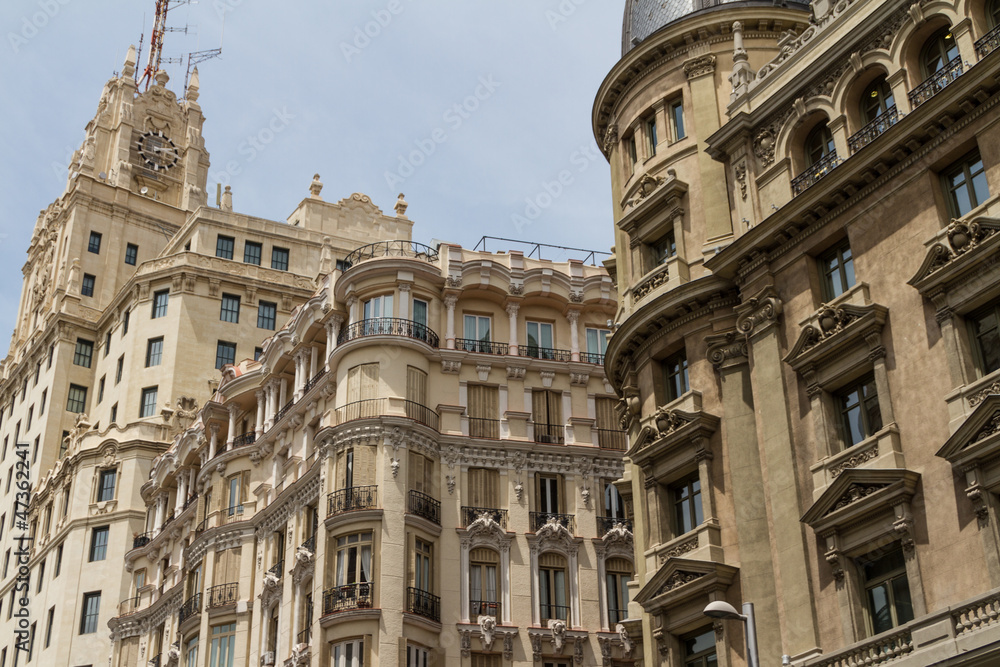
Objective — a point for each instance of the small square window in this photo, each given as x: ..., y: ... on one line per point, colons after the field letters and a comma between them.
x: 94, y: 245
x: 87, y: 286
x: 225, y: 353
x: 131, y: 254
x: 252, y: 252
x: 266, y: 315
x: 99, y: 544
x: 837, y: 267
x: 230, y: 308
x: 154, y: 351
x: 161, y: 300
x: 860, y: 415
x: 224, y: 247
x: 147, y: 404
x: 675, y: 369
x: 279, y: 259
x: 76, y: 400
x: 84, y: 352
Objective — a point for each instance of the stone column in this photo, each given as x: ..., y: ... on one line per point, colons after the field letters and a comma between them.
x: 160, y: 509
x: 403, y: 307
x: 512, y: 315
x: 313, y: 362
x: 573, y: 317
x: 261, y: 408
x: 179, y: 501
x: 962, y: 32
x: 464, y: 581
x: 838, y: 128
x: 450, y: 302
x: 233, y: 411
x: 352, y: 310
x: 332, y: 333
x: 213, y: 443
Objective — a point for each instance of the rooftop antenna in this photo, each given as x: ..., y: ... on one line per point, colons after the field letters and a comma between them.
x: 156, y: 60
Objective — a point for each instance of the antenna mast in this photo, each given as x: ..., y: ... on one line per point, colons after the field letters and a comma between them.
x: 156, y: 59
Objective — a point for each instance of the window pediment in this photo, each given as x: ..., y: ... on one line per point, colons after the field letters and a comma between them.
x: 554, y: 536
x: 672, y: 438
x: 646, y: 202
x: 858, y: 495
x: 682, y: 580
x: 977, y: 440
x: 956, y: 255
x: 833, y: 332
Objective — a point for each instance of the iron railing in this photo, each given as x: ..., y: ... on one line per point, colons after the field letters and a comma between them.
x: 220, y: 596
x: 483, y: 608
x: 484, y: 428
x: 200, y: 528
x: 129, y: 605
x: 351, y: 596
x: 314, y: 380
x: 606, y: 523
x: 936, y: 82
x: 988, y: 43
x: 309, y: 545
x: 247, y: 438
x: 366, y: 409
x: 232, y: 514
x: 304, y: 636
x: 388, y: 326
x: 423, y: 505
x: 284, y: 410
x: 553, y: 434
x: 544, y: 353
x: 423, y: 604
x: 278, y: 568
x: 471, y: 514
x: 193, y: 498
x: 392, y: 249
x: 352, y: 499
x: 554, y: 611
x: 167, y: 521
x: 872, y: 130
x: 190, y: 607
x: 140, y: 541
x: 222, y: 448
x: 422, y: 414
x: 539, y: 519
x: 612, y: 438
x: 592, y: 358
x: 481, y: 346
x: 616, y: 616
x: 814, y: 173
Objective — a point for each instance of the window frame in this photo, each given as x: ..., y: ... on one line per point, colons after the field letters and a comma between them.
x: 161, y: 304
x: 154, y: 352
x: 263, y: 317
x: 837, y: 253
x: 104, y: 493
x: 94, y: 243
x: 279, y: 263
x: 131, y: 254
x: 98, y: 551
x: 888, y: 581
x: 979, y: 360
x: 818, y: 144
x: 76, y: 396
x: 225, y: 246
x: 963, y: 166
x: 83, y: 354
x: 145, y: 404
x: 675, y: 366
x: 88, y: 284
x: 227, y: 313
x: 248, y: 257
x: 89, y: 618
x: 220, y: 358
x: 859, y: 386
x: 687, y: 507
x: 675, y: 111
x: 937, y: 42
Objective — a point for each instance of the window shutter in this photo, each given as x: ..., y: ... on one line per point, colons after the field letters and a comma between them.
x: 233, y: 571
x: 554, y: 408
x: 539, y: 414
x: 364, y: 466
x: 369, y: 381
x: 484, y: 488
x: 606, y: 413
x: 341, y: 468
x: 416, y: 385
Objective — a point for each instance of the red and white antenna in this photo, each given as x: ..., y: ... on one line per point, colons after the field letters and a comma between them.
x: 156, y: 59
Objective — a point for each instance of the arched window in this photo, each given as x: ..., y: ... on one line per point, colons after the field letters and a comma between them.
x: 993, y: 13
x: 553, y: 592
x: 484, y: 583
x: 819, y: 144
x: 619, y: 573
x: 940, y: 50
x: 876, y: 100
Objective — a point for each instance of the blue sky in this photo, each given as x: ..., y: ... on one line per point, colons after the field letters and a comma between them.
x: 367, y: 92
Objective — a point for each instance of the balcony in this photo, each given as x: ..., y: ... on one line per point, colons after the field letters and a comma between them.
x: 193, y: 498
x: 479, y: 608
x: 592, y: 358
x: 247, y: 438
x: 544, y: 353
x: 873, y: 130
x: 612, y: 438
x: 424, y: 506
x: 129, y: 606
x: 309, y: 545
x: 167, y: 521
x: 277, y: 568
x: 200, y: 528
x: 220, y: 596
x: 484, y: 428
x: 284, y: 410
x: 481, y: 346
x: 304, y: 636
x: 392, y: 249
x: 539, y: 519
x: 366, y: 409
x: 351, y: 596
x: 553, y: 434
x: 314, y: 380
x: 422, y: 414
x: 936, y: 82
x: 191, y: 607
x: 388, y: 326
x: 988, y: 43
x: 139, y: 541
x: 352, y: 499
x: 231, y: 515
x: 423, y: 604
x: 471, y: 514
x: 554, y: 611
x: 814, y: 173
x: 606, y: 523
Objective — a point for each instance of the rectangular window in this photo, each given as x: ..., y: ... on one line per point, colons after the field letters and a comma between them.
x: 267, y: 314
x: 677, y: 119
x: 251, y: 253
x: 380, y: 306
x: 161, y: 300
x: 984, y: 331
x: 966, y: 184
x: 52, y: 351
x: 106, y: 487
x: 107, y: 343
x: 477, y: 333
x: 90, y: 613
x: 131, y: 254
x: 686, y: 497
x: 664, y: 249
x: 651, y: 136
x: 76, y: 400
x: 99, y: 544
x: 546, y: 414
x: 552, y: 587
x: 38, y: 372
x: 837, y: 266
x: 860, y: 415
x: 416, y: 656
x: 191, y: 655
x: 354, y: 560
x: 279, y: 259
x: 539, y: 340
x: 114, y: 413
x: 633, y: 152
x: 154, y: 351
x: 422, y: 565
x: 225, y: 353
x: 31, y: 416
x: 125, y: 320
x: 230, y: 308
x: 118, y: 369
x: 548, y: 494
x: 41, y: 576
x: 420, y: 312
x: 94, y: 245
x: 699, y: 649
x: 348, y: 654
x: 675, y: 371
x: 224, y: 247
x: 887, y: 589
x: 48, y: 626
x: 87, y: 286
x: 618, y: 574
x: 483, y: 411
x: 597, y: 344
x: 147, y: 407
x: 100, y: 388
x: 84, y: 352
x: 257, y: 353
x: 58, y: 567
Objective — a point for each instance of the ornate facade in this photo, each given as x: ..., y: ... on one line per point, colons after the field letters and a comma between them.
x: 806, y: 347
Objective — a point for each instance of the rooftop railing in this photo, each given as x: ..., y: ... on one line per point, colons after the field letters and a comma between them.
x: 392, y: 249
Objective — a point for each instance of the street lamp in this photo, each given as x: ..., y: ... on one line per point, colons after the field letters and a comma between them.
x: 725, y: 611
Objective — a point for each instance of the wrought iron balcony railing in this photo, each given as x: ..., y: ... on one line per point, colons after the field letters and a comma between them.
x: 284, y: 411
x: 129, y: 605
x: 200, y: 528
x: 423, y: 604
x: 314, y: 380
x: 592, y: 358
x: 544, y: 353
x: 814, y: 173
x: 612, y: 438
x: 277, y: 569
x: 422, y: 414
x: 142, y: 540
x: 872, y: 130
x: 481, y: 346
x: 190, y: 607
x: 192, y: 499
x: 351, y: 596
x: 988, y: 43
x: 366, y: 409
x: 304, y: 636
x: 936, y: 82
x: 309, y: 545
x: 616, y: 616
x: 606, y: 523
x: 471, y: 514
x: 484, y: 428
x: 232, y: 514
x: 167, y: 521
x: 388, y: 326
x: 352, y: 499
x: 247, y: 438
x: 220, y: 596
x: 425, y: 506
x: 539, y: 519
x: 553, y: 434
x: 479, y: 608
x: 155, y: 660
x: 392, y: 249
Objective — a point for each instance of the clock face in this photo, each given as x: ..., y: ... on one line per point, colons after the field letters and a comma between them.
x: 157, y: 151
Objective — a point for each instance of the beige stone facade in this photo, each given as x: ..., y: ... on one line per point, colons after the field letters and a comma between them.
x: 805, y: 344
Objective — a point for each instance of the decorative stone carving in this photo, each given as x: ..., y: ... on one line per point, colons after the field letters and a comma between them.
x: 661, y: 277
x: 558, y: 630
x: 667, y: 421
x: 699, y: 66
x: 678, y: 579
x: 579, y: 379
x: 758, y: 312
x: 726, y: 347
x: 450, y: 481
x: 450, y: 366
x: 679, y: 550
x: 515, y: 372
x: 855, y: 461
x: 740, y: 171
x: 516, y: 289
x: 610, y: 138
x: 854, y: 493
x: 627, y: 643
x: 763, y: 147
x: 508, y: 646
x: 488, y: 626
x: 536, y: 647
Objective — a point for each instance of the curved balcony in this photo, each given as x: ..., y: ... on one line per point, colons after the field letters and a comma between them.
x: 389, y: 326
x: 222, y: 595
x: 368, y: 408
x: 422, y: 414
x: 142, y: 540
x: 190, y: 607
x: 247, y: 438
x: 423, y: 603
x: 407, y: 249
x: 351, y: 596
x: 129, y: 606
x: 425, y: 506
x: 936, y: 82
x: 352, y: 499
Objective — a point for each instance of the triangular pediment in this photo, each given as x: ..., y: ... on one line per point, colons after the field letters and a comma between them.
x: 680, y: 579
x: 667, y: 430
x: 978, y: 437
x: 832, y: 328
x: 962, y: 246
x: 860, y: 491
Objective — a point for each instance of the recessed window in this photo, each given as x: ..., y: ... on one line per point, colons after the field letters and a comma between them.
x: 618, y: 574
x: 699, y: 649
x: 553, y: 600
x: 125, y: 320
x: 940, y: 50
x: 118, y: 369
x: 87, y: 286
x: 633, y: 153
x: 887, y: 590
x: 161, y: 299
x: 84, y: 352
x: 107, y: 343
x: 966, y: 184
x: 99, y: 543
x: 546, y: 414
x: 90, y: 614
x: 224, y: 247
x: 267, y: 314
x: 230, y: 308
x: 94, y: 245
x: 106, y: 486
x: 76, y: 400
x: 675, y: 371
x: 251, y: 253
x: 819, y: 144
x: 48, y: 626
x: 877, y: 99
x: 147, y: 404
x: 420, y: 312
x: 664, y: 249
x: 860, y: 415
x: 258, y: 352
x: 59, y: 554
x: 651, y: 135
x: 686, y: 497
x: 984, y: 330
x: 225, y: 353
x: 131, y: 254
x: 993, y: 13
x: 41, y: 404
x: 154, y: 351
x: 484, y: 566
x: 279, y: 259
x: 676, y: 110
x: 348, y: 654
x: 837, y: 266
x: 100, y: 388
x: 540, y: 339
x: 114, y: 413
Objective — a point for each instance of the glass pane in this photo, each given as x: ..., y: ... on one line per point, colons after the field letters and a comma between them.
x: 702, y: 642
x: 593, y: 341
x: 420, y: 312
x: 852, y: 422
x: 878, y: 607
x: 532, y: 334
x: 469, y: 327
x: 546, y: 335
x: 901, y: 598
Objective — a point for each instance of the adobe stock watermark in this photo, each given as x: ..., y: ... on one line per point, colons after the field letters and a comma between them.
x: 36, y: 21
x: 562, y: 12
x: 550, y: 191
x: 454, y: 117
x: 254, y: 145
x: 371, y: 30
x: 22, y: 552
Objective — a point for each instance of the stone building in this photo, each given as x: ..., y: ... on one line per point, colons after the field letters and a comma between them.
x: 806, y: 346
